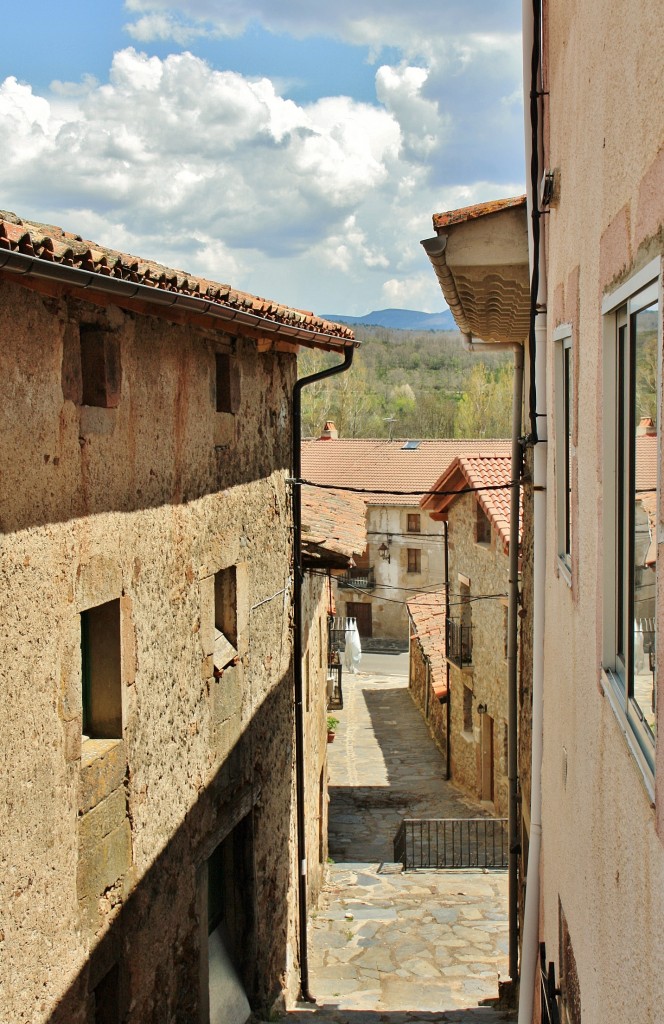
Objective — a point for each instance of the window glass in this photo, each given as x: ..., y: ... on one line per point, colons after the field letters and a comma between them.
x: 643, y: 532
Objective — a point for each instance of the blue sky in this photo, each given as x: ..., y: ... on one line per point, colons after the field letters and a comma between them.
x: 291, y: 148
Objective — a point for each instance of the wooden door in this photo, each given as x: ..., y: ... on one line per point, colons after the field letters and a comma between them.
x: 361, y: 612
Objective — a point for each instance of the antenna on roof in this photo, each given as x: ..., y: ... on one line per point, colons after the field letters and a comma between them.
x: 390, y: 420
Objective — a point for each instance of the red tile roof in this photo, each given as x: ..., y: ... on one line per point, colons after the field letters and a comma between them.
x: 442, y: 220
x: 333, y: 523
x: 427, y: 614
x: 488, y: 470
x: 45, y: 244
x: 646, y: 462
x: 380, y: 464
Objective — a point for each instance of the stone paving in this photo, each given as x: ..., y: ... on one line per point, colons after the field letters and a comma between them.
x: 387, y: 947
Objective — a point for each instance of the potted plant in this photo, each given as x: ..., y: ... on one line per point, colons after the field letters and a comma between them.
x: 332, y: 724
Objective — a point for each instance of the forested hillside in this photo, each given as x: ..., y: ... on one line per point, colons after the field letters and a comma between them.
x: 410, y: 384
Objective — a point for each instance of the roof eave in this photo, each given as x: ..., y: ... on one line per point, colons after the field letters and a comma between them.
x: 480, y: 257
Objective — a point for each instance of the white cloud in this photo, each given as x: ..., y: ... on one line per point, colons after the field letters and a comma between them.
x: 319, y: 204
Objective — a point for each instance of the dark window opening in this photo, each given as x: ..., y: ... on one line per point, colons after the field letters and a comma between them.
x: 100, y: 367
x: 413, y: 525
x: 225, y: 617
x: 482, y: 526
x: 227, y: 383
x: 107, y: 998
x: 101, y: 671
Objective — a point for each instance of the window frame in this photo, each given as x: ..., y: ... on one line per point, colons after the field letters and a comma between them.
x: 416, y: 560
x: 640, y: 291
x: 413, y: 522
x: 564, y: 425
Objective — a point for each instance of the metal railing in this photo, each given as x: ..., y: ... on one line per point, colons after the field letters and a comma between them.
x: 459, y: 643
x: 549, y: 990
x: 358, y: 579
x: 452, y: 843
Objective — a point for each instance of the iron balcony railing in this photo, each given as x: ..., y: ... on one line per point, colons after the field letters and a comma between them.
x: 358, y: 579
x: 451, y: 843
x: 459, y: 648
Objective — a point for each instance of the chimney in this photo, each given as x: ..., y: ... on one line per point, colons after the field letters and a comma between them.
x: 330, y: 432
x: 646, y: 428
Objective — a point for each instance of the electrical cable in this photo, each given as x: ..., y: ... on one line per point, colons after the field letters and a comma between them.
x: 394, y: 493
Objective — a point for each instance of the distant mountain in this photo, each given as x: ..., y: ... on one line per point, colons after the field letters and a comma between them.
x: 400, y: 320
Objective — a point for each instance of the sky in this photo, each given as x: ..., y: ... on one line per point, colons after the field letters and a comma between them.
x: 295, y: 149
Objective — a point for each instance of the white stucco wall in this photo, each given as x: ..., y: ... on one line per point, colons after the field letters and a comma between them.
x: 602, y: 856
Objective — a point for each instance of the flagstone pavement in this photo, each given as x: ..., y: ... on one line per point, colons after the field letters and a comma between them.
x: 387, y: 947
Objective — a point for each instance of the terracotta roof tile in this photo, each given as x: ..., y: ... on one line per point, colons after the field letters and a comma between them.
x: 381, y: 464
x: 333, y: 523
x: 427, y: 613
x: 53, y: 245
x: 486, y: 470
x: 442, y: 220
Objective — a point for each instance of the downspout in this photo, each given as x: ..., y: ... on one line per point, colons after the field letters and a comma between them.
x: 298, y: 574
x: 435, y: 249
x: 448, y: 710
x: 512, y: 641
x: 532, y: 27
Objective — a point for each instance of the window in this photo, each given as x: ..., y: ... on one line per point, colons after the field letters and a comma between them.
x: 100, y: 367
x: 225, y: 617
x: 413, y: 522
x: 101, y: 671
x: 107, y: 999
x: 564, y: 381
x: 414, y: 560
x: 227, y: 383
x: 631, y: 382
x: 482, y: 526
x: 467, y: 709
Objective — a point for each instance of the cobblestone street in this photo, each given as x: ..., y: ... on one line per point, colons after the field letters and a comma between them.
x: 387, y: 946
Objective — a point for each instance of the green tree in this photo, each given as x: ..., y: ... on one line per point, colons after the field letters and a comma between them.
x: 485, y: 407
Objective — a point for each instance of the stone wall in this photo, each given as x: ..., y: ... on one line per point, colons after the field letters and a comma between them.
x: 433, y: 710
x: 486, y: 566
x: 315, y: 599
x: 105, y: 841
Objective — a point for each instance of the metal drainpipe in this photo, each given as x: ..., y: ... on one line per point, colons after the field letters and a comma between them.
x: 448, y: 710
x: 296, y: 458
x: 512, y: 638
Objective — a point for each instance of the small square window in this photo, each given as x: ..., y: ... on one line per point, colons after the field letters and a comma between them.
x: 414, y: 560
x: 101, y: 671
x: 413, y: 523
x: 225, y: 617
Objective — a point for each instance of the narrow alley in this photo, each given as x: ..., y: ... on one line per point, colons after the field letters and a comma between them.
x: 387, y: 945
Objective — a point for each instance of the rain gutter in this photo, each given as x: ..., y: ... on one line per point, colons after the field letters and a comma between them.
x: 119, y: 289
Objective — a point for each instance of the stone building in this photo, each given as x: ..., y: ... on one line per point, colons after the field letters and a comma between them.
x: 404, y: 552
x: 427, y: 667
x: 333, y: 533
x: 476, y: 634
x: 147, y: 850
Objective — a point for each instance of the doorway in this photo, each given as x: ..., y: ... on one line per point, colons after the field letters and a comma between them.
x: 362, y: 613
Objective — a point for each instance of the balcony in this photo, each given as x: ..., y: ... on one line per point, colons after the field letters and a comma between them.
x: 357, y: 579
x: 459, y: 643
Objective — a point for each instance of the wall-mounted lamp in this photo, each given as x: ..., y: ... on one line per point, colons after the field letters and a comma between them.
x: 384, y: 552
x: 482, y: 709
